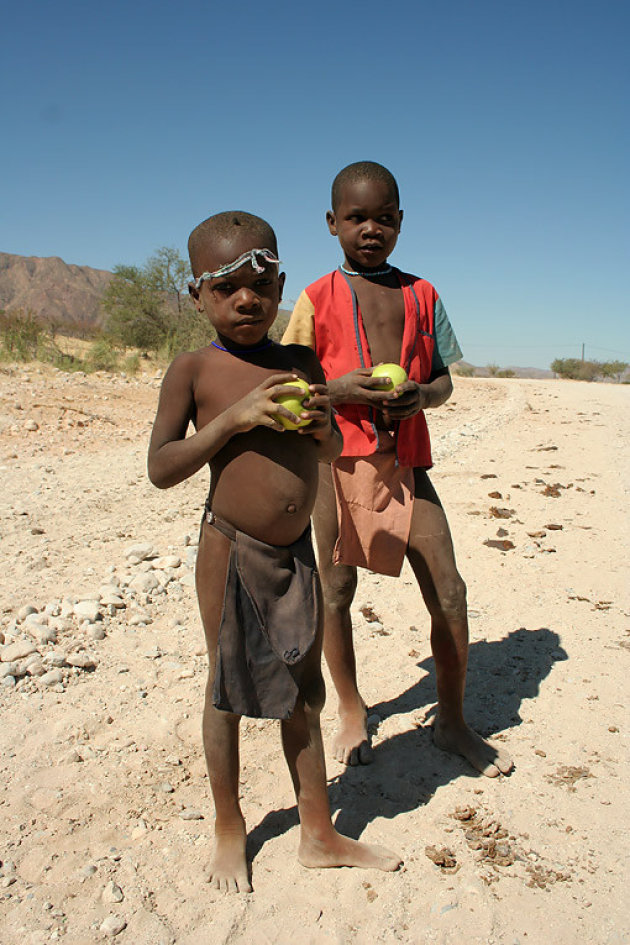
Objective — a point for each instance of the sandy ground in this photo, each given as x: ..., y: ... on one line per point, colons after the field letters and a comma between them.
x: 106, y: 818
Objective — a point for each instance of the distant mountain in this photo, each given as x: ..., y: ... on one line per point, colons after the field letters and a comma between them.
x: 53, y: 290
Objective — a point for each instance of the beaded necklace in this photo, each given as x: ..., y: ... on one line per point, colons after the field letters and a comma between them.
x: 368, y: 275
x: 267, y: 344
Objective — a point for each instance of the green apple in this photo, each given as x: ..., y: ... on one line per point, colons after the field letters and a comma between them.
x: 394, y: 372
x: 294, y: 403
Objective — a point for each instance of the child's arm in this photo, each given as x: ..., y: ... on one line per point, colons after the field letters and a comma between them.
x: 173, y: 456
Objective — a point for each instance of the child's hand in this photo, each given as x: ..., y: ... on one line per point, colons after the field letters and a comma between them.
x: 406, y: 400
x: 317, y: 407
x: 259, y: 408
x: 358, y: 387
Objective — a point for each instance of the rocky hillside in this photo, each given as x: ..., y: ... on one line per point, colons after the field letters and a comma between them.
x: 52, y: 289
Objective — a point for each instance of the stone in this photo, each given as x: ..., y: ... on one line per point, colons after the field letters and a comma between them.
x: 82, y: 661
x: 145, y: 583
x: 113, y: 925
x: 43, y: 634
x: 113, y: 893
x: 112, y: 599
x: 35, y: 666
x: 35, y: 619
x: 89, y: 610
x: 167, y: 561
x: 26, y: 611
x: 190, y: 814
x: 55, y: 658
x: 16, y: 651
x: 140, y: 551
x: 52, y: 677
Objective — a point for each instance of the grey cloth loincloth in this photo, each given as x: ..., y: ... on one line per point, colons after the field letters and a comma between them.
x: 270, y: 618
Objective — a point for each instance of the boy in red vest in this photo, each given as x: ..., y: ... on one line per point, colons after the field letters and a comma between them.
x: 376, y: 503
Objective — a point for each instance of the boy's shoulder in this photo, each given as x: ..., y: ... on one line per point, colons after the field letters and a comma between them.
x: 187, y: 364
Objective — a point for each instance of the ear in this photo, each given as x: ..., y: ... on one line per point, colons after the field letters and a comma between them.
x: 193, y: 292
x: 281, y: 280
x: 332, y: 222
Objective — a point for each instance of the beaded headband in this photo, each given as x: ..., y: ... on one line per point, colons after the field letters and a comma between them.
x: 250, y: 256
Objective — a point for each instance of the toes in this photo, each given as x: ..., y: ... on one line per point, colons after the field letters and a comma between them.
x: 366, y: 754
x: 243, y: 884
x: 490, y: 771
x: 504, y: 763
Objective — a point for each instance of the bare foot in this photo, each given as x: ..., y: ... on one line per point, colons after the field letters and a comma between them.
x: 228, y: 871
x: 338, y: 850
x: 351, y: 745
x: 461, y: 740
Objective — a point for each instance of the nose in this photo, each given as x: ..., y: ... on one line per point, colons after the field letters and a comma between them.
x: 372, y: 228
x: 247, y: 300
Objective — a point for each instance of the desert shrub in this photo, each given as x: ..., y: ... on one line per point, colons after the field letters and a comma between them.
x: 577, y: 370
x: 22, y: 335
x: 506, y: 372
x: 492, y: 369
x: 103, y: 356
x: 464, y: 370
x: 131, y: 364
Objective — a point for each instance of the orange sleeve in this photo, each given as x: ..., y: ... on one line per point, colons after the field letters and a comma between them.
x: 301, y: 327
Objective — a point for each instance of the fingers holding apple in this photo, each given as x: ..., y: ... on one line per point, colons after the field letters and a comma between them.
x: 297, y: 392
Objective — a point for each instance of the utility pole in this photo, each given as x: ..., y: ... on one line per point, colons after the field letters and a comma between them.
x: 582, y: 352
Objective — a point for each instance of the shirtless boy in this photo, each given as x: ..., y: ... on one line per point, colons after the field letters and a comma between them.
x: 376, y: 504
x: 257, y: 585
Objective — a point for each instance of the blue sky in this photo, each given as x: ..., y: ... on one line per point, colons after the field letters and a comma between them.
x: 506, y: 125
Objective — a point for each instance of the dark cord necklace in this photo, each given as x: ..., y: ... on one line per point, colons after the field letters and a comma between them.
x: 267, y: 344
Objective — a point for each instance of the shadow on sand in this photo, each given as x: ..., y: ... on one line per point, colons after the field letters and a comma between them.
x: 408, y: 768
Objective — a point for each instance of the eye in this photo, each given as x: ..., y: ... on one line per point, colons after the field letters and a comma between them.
x: 223, y: 288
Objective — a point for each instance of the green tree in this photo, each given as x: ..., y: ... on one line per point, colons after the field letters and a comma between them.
x: 147, y: 307
x: 136, y: 314
x: 613, y: 369
x: 168, y: 271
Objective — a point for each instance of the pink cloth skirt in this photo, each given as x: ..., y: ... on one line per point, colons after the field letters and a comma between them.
x: 374, y: 506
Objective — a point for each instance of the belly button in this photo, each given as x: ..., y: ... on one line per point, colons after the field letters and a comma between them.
x: 291, y: 508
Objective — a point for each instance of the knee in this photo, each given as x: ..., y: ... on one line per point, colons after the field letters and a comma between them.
x: 452, y: 598
x: 339, y: 584
x: 313, y: 694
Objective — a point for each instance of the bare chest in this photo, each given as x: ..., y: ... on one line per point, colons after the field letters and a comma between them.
x: 382, y: 310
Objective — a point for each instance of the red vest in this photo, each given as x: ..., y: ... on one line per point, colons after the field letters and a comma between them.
x: 341, y: 345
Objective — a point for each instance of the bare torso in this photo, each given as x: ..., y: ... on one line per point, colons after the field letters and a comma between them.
x: 263, y: 482
x: 382, y: 308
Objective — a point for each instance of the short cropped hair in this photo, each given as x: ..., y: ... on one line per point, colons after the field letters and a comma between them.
x: 362, y: 170
x: 221, y: 226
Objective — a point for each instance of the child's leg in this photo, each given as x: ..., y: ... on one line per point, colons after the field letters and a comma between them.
x: 339, y: 583
x: 320, y: 844
x: 432, y: 559
x: 220, y: 729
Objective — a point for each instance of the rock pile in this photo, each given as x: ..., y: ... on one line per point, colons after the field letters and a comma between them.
x: 52, y: 646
